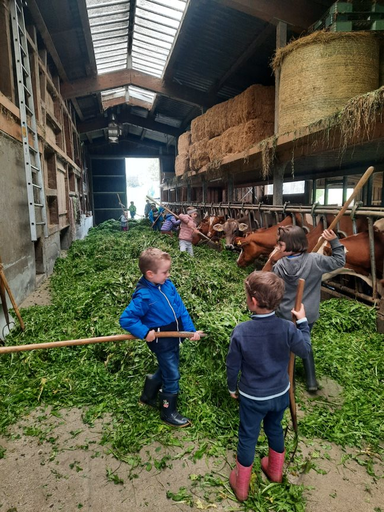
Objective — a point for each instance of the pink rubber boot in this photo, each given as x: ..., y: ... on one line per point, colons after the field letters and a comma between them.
x: 272, y: 466
x: 239, y: 480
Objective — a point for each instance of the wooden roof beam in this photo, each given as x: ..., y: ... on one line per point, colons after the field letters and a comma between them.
x: 121, y: 100
x: 251, y: 50
x: 91, y: 69
x: 43, y: 30
x: 124, y: 77
x: 297, y: 13
x: 125, y: 117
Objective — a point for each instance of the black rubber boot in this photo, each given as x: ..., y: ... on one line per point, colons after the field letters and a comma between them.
x: 310, y: 373
x: 150, y: 391
x: 169, y: 413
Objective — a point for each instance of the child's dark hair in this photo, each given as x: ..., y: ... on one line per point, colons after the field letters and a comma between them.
x: 266, y: 287
x: 293, y: 237
x: 150, y: 259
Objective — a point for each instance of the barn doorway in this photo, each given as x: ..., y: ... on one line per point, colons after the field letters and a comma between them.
x: 143, y: 178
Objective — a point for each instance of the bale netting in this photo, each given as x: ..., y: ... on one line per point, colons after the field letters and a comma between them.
x: 321, y: 72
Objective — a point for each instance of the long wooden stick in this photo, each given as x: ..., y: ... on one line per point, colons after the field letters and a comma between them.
x: 4, y: 281
x: 363, y: 180
x: 291, y: 365
x: 177, y: 217
x: 90, y: 341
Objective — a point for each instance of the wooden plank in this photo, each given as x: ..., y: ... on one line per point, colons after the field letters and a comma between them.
x: 7, y: 85
x: 115, y: 79
x: 300, y: 14
x: 125, y: 117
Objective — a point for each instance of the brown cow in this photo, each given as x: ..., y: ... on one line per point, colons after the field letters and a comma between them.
x: 232, y: 228
x: 205, y: 227
x: 258, y: 243
x: 358, y: 255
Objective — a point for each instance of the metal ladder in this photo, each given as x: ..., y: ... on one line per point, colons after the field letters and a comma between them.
x: 32, y: 163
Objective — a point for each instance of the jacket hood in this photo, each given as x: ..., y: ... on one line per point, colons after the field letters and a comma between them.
x: 292, y: 267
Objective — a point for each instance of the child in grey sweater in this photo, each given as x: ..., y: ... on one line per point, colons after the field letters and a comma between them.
x: 297, y: 263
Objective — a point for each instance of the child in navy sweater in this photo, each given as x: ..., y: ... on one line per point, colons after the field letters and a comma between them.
x: 260, y: 350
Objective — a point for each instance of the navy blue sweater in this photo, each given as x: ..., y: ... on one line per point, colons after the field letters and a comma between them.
x: 260, y: 349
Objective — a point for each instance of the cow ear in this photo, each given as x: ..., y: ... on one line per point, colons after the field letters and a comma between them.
x: 243, y: 227
x: 218, y: 227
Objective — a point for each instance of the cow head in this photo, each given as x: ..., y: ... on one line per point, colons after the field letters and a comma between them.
x: 231, y: 228
x: 249, y: 252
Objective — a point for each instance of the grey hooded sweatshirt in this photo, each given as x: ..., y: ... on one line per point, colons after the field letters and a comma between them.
x: 311, y: 267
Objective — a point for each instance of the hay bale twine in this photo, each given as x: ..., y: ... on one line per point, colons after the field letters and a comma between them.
x: 321, y: 72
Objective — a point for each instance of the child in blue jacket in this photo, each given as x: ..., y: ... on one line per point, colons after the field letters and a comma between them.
x: 156, y: 306
x: 259, y: 352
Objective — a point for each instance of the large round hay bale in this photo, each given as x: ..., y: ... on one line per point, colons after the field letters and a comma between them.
x: 321, y: 72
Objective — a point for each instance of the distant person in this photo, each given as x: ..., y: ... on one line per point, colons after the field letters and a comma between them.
x: 132, y: 209
x: 155, y: 216
x: 147, y: 208
x: 259, y: 354
x: 170, y: 224
x: 124, y: 221
x: 157, y: 306
x: 187, y: 229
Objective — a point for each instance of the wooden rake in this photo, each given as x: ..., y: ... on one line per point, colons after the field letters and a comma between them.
x: 210, y: 244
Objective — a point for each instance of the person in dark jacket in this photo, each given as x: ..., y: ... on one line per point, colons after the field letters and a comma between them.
x: 156, y: 306
x: 260, y: 350
x: 170, y: 224
x: 298, y: 263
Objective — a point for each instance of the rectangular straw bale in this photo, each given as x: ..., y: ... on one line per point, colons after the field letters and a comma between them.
x: 183, y: 143
x: 198, y: 155
x: 216, y: 121
x: 215, y: 150
x: 251, y: 101
x: 241, y: 137
x: 182, y: 164
x: 198, y: 131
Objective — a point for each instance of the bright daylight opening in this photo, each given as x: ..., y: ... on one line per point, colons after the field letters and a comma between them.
x: 143, y: 178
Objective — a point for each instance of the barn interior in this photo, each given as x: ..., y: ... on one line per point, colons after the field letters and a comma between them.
x: 236, y: 99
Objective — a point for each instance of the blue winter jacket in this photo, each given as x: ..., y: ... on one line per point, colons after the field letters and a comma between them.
x: 156, y: 307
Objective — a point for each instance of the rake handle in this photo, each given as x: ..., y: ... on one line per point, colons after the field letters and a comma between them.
x: 177, y: 217
x: 90, y: 341
x: 363, y: 180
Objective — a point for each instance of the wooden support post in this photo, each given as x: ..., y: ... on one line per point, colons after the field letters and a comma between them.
x: 205, y: 190
x: 281, y: 40
x: 7, y: 86
x: 230, y: 189
x: 278, y: 180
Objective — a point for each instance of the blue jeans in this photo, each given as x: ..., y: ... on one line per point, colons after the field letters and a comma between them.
x: 168, y: 371
x: 186, y: 246
x: 252, y: 413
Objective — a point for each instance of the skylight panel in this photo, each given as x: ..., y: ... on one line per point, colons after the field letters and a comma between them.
x: 154, y: 30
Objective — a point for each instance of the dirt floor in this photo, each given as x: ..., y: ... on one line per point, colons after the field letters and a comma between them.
x: 53, y: 462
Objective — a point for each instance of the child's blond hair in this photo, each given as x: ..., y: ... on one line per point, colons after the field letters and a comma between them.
x: 150, y: 259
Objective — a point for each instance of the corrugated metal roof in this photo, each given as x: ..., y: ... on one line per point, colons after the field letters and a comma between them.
x: 226, y: 32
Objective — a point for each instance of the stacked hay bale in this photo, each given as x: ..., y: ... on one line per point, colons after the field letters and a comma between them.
x: 319, y: 73
x: 182, y: 159
x: 230, y: 127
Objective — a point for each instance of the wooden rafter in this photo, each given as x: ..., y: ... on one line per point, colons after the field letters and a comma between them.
x: 122, y: 78
x: 43, y: 30
x: 251, y: 50
x: 121, y: 100
x: 102, y: 122
x: 297, y: 13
